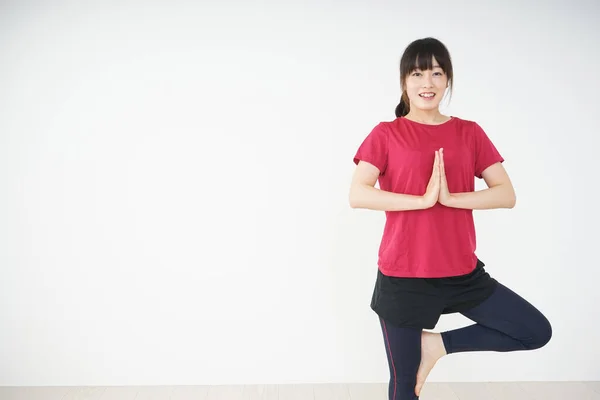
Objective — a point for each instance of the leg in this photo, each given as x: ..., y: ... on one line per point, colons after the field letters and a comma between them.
x: 505, y: 322
x: 403, y: 350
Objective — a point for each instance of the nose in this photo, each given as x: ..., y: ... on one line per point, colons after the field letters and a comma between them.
x: 427, y: 80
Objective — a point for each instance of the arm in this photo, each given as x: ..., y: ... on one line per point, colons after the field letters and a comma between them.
x: 499, y: 194
x: 364, y: 194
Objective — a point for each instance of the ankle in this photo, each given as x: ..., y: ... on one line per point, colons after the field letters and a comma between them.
x: 445, y: 340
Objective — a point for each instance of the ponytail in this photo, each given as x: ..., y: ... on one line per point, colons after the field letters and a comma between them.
x: 403, y: 108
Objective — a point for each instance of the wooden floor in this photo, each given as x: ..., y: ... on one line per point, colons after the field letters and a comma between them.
x: 431, y: 391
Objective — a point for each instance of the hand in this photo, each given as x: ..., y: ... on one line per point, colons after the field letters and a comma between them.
x: 433, y: 187
x: 444, y: 197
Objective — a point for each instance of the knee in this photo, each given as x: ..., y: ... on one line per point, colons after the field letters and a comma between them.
x: 541, y: 334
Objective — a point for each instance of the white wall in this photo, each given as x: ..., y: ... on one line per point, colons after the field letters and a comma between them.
x: 174, y: 178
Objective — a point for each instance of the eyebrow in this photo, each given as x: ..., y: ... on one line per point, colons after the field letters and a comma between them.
x: 433, y: 67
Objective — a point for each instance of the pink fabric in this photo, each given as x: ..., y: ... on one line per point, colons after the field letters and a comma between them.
x: 439, y: 241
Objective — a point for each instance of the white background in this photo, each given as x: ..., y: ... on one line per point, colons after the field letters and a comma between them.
x: 174, y: 180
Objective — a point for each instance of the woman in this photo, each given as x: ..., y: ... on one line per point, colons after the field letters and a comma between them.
x: 426, y: 163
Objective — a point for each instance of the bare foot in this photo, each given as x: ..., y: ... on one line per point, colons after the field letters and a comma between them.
x: 432, y: 349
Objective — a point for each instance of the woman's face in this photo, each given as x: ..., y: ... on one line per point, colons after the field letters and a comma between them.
x: 426, y: 88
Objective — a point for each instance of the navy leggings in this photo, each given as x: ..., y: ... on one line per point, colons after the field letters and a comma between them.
x: 504, y: 322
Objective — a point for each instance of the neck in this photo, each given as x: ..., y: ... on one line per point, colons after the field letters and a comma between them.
x: 426, y: 116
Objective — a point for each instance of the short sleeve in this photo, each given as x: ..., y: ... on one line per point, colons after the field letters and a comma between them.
x: 374, y: 148
x: 485, y: 152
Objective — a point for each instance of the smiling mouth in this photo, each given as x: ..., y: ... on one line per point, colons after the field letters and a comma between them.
x: 427, y: 95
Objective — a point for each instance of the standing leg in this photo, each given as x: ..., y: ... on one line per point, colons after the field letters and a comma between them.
x: 505, y: 322
x: 403, y: 350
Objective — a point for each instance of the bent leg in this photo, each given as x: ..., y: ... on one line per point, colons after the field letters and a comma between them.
x: 403, y: 350
x: 505, y: 322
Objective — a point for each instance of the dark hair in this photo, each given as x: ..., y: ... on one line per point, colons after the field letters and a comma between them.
x: 419, y: 54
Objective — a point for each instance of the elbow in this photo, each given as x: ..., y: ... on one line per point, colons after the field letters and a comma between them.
x: 512, y: 201
x: 353, y: 199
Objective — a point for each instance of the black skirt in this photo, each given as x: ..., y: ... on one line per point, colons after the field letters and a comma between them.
x: 419, y: 302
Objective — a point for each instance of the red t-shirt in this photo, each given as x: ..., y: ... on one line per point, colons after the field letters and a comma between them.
x: 438, y: 241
